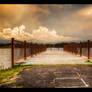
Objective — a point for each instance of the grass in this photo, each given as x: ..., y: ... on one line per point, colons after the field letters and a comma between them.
x: 85, y: 64
x: 7, y: 75
x: 88, y: 62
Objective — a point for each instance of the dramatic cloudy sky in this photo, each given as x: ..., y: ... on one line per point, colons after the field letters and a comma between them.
x: 46, y: 23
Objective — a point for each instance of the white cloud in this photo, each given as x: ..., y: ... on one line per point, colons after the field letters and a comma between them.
x: 17, y: 32
x: 41, y: 35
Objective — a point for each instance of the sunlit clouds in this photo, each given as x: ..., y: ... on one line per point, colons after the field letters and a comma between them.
x: 41, y: 35
x: 46, y: 23
x: 86, y: 12
x: 17, y: 32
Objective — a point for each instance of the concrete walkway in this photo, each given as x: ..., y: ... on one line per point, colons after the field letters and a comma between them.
x: 56, y: 56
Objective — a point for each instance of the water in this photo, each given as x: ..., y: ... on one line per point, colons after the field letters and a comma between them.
x: 55, y: 56
x: 5, y: 58
x: 51, y: 56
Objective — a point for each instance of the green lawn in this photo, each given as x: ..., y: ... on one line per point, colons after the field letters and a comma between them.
x: 5, y: 75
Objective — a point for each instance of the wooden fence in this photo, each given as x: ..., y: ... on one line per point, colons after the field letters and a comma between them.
x: 28, y: 49
x: 77, y: 48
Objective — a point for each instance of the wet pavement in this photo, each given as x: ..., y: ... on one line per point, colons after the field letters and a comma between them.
x: 68, y: 76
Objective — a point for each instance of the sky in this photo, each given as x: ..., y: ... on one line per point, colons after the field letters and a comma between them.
x: 46, y: 23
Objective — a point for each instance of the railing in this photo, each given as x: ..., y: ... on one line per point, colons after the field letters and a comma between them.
x: 26, y: 50
x: 82, y: 48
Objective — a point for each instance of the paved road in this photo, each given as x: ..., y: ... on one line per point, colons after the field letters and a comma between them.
x: 54, y: 77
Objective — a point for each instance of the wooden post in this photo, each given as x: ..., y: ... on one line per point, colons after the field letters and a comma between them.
x: 12, y: 52
x: 25, y: 50
x: 88, y: 49
x: 31, y: 49
x: 80, y: 49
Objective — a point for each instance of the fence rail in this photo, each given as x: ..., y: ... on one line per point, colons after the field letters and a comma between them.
x: 77, y: 48
x: 28, y: 49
